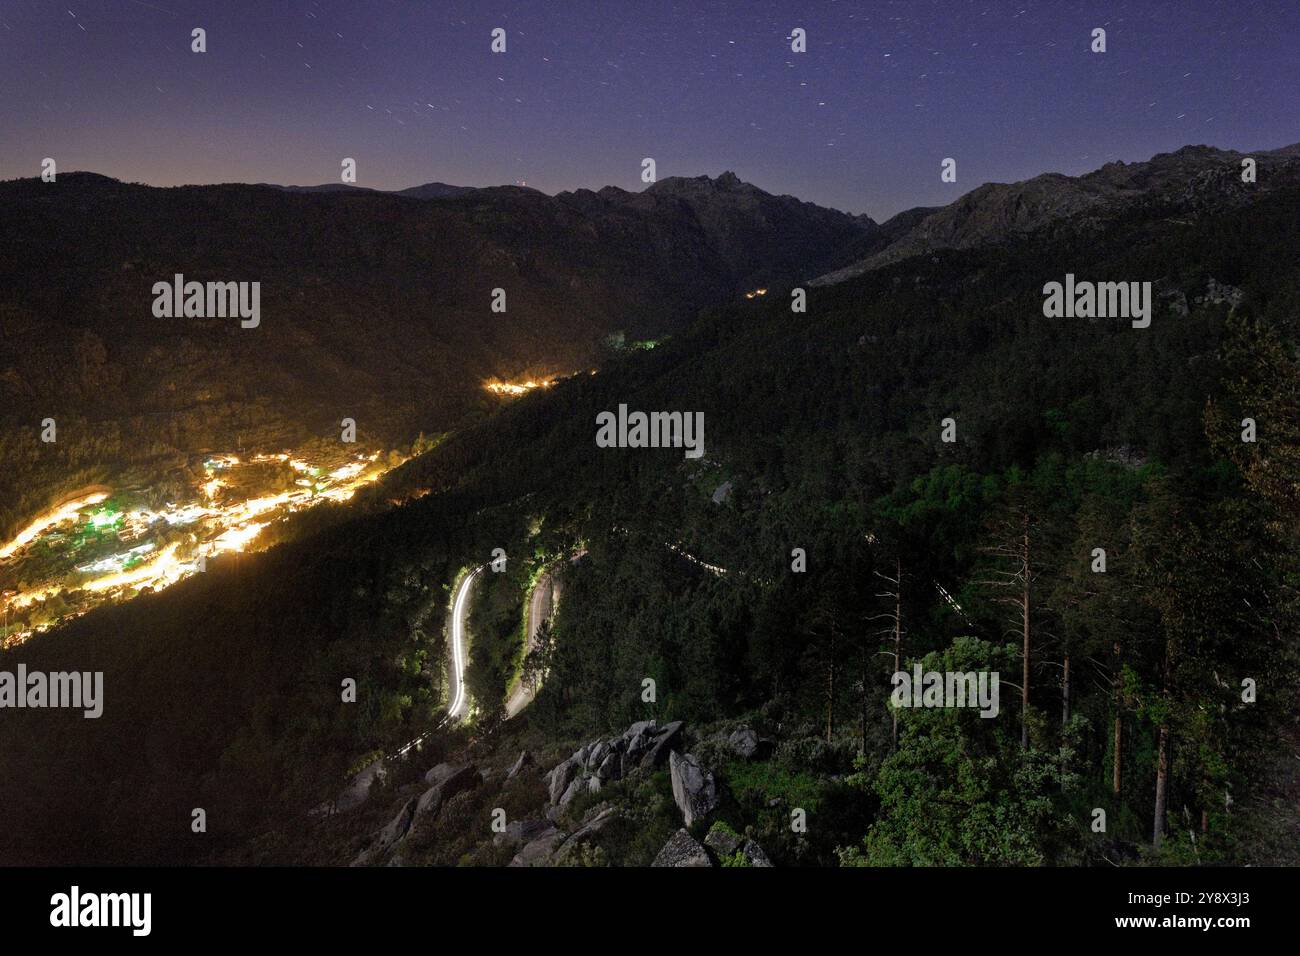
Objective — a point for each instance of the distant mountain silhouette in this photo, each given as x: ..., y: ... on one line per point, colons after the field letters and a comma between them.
x: 434, y: 191
x: 373, y: 306
x: 425, y: 191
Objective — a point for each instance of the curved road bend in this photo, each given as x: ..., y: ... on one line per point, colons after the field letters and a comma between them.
x: 459, y: 610
x: 358, y: 788
x: 541, y: 604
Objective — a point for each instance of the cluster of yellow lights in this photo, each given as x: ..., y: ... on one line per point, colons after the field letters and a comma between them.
x: 153, y: 573
x: 62, y: 513
x: 236, y: 519
x: 517, y: 388
x: 750, y: 295
x: 237, y: 539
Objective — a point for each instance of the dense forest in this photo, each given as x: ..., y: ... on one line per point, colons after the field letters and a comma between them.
x: 1099, y: 533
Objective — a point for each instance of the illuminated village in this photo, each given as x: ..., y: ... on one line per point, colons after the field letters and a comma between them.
x: 100, y: 545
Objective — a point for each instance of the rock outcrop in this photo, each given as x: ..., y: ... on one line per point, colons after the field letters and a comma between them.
x: 682, y: 850
x: 744, y: 742
x: 525, y: 760
x: 1216, y: 292
x: 539, y: 850
x: 694, y: 790
x: 550, y: 845
x: 644, y: 745
x: 520, y: 833
x: 355, y: 794
x: 447, y: 780
x: 754, y: 854
x: 390, y: 836
x: 657, y: 753
x: 558, y: 835
x: 451, y: 779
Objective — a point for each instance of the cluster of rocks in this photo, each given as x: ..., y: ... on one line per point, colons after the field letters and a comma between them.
x: 682, y: 849
x: 696, y: 794
x: 544, y: 844
x: 1216, y: 292
x: 694, y: 790
x: 445, y: 781
x: 643, y: 745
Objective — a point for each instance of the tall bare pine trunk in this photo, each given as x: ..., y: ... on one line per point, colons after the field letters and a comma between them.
x: 1024, y: 612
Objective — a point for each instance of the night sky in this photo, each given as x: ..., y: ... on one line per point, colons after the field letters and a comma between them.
x: 589, y: 87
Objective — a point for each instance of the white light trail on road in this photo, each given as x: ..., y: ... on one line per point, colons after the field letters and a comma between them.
x: 458, y: 611
x: 713, y: 568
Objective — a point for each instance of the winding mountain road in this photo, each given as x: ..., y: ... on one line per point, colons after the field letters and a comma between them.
x: 459, y: 611
x: 358, y: 788
x: 541, y: 605
x: 542, y: 600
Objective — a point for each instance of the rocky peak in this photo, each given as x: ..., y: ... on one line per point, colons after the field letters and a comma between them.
x: 1191, y: 180
x: 702, y: 186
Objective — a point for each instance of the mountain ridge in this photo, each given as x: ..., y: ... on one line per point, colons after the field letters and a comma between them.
x: 375, y: 306
x: 1194, y: 178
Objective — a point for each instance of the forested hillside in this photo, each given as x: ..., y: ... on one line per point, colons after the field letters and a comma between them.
x: 374, y: 307
x: 1122, y: 690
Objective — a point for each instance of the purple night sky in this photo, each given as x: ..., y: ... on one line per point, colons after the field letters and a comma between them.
x: 589, y: 87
